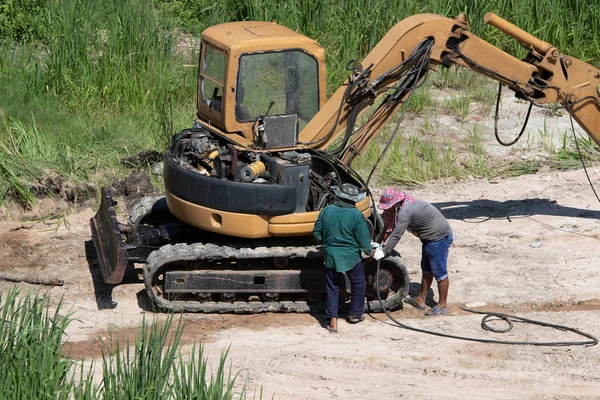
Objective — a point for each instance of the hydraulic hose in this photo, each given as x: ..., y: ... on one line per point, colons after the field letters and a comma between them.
x: 484, y: 324
x: 569, y: 105
x: 496, y: 115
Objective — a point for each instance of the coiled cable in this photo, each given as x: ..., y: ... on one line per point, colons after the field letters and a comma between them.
x: 510, y: 319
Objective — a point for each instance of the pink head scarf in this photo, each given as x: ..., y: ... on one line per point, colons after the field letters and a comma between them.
x: 392, y: 199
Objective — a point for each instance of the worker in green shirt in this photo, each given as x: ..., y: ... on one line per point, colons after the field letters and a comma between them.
x: 343, y: 231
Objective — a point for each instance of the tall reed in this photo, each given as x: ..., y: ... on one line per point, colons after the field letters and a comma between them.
x: 34, y: 366
x: 119, y: 52
x: 31, y: 359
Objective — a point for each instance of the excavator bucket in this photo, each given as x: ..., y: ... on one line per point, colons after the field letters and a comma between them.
x: 112, y: 255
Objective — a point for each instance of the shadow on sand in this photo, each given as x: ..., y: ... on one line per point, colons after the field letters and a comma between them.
x: 103, y: 291
x: 484, y: 209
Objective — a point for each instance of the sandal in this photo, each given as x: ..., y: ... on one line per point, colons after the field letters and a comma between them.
x: 437, y: 311
x: 355, y: 319
x: 412, y: 302
x: 328, y: 326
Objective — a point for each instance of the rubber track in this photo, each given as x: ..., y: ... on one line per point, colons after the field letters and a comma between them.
x: 211, y: 252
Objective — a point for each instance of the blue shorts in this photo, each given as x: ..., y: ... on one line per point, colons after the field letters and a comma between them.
x: 434, y: 258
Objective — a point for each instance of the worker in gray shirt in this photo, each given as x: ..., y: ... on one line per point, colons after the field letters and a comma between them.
x: 401, y: 212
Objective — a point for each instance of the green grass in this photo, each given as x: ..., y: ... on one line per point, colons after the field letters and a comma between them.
x: 35, y: 367
x: 459, y: 105
x: 31, y: 358
x: 103, y: 83
x: 422, y: 101
x: 76, y: 147
x: 466, y: 89
x: 415, y: 159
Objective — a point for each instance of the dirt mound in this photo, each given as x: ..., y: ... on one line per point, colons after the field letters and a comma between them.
x: 54, y: 185
x: 137, y: 185
x: 143, y: 159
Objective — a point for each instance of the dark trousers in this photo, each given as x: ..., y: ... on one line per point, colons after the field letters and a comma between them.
x: 357, y: 286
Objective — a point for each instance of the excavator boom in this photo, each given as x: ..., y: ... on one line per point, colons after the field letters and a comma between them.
x: 544, y: 76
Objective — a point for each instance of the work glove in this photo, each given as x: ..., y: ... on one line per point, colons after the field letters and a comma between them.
x: 379, y: 254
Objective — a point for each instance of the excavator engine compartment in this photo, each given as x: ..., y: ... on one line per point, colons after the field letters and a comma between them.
x: 238, y: 180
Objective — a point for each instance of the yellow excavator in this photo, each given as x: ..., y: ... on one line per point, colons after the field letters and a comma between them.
x: 245, y: 184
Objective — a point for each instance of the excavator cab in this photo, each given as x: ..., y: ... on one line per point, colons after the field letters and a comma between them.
x: 261, y: 81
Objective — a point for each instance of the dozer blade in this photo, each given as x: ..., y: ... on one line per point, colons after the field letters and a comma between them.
x: 112, y: 255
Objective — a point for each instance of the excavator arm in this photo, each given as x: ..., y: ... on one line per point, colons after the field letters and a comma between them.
x: 400, y: 61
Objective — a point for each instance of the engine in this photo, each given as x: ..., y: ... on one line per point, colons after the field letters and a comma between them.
x: 311, y: 174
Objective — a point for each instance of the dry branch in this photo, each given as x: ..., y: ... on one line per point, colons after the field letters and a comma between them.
x: 35, y: 280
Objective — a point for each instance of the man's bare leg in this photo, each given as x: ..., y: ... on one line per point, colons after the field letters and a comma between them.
x: 443, y: 289
x: 333, y: 324
x: 426, y: 281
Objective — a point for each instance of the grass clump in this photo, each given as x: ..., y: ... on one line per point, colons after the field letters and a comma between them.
x: 35, y: 367
x: 154, y: 368
x: 415, y: 161
x: 144, y: 370
x: 31, y: 358
x: 191, y: 379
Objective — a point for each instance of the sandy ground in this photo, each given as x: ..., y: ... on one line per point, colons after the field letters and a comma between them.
x: 528, y: 246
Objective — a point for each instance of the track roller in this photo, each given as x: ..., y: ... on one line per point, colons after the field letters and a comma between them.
x: 270, y: 296
x: 280, y: 262
x: 202, y: 297
x: 227, y: 297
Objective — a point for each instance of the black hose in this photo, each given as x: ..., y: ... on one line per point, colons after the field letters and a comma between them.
x: 507, y: 144
x: 360, y: 92
x: 484, y: 323
x: 579, y: 152
x: 420, y: 74
x: 360, y: 79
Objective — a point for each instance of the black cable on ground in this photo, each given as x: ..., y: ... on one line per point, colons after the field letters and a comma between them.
x: 484, y: 324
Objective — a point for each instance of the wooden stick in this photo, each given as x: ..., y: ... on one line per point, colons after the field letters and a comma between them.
x: 35, y: 280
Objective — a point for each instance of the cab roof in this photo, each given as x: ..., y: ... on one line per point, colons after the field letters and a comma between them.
x: 258, y: 35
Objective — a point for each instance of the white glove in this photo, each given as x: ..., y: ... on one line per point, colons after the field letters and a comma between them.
x: 375, y: 245
x: 379, y: 254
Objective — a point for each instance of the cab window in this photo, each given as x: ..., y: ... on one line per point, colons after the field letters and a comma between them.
x: 212, y: 77
x: 289, y: 79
